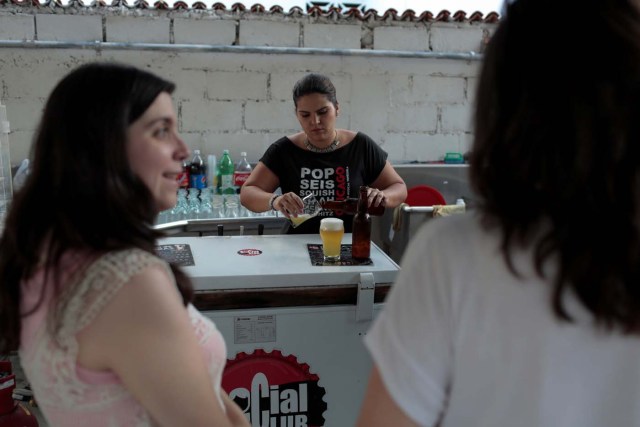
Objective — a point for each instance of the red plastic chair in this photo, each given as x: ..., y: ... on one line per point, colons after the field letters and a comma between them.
x: 423, y: 195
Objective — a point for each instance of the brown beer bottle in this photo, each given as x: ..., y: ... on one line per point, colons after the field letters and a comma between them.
x: 350, y: 206
x: 361, y: 230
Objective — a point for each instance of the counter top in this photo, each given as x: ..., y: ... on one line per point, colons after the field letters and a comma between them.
x: 271, y: 261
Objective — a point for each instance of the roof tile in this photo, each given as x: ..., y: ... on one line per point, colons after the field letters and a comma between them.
x: 408, y: 15
x: 238, y: 7
x: 333, y: 12
x: 444, y: 15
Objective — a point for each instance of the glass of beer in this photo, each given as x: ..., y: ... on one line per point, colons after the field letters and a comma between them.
x: 331, y: 232
x: 311, y: 208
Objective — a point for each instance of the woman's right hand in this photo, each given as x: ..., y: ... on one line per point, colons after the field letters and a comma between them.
x: 289, y: 204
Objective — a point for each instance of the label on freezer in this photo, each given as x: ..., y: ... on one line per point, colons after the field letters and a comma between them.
x: 274, y: 390
x: 254, y: 329
x: 249, y: 252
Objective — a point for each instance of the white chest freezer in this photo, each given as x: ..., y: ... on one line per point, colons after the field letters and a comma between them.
x: 293, y: 329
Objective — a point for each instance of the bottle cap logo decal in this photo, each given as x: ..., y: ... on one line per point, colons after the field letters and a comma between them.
x: 275, y: 390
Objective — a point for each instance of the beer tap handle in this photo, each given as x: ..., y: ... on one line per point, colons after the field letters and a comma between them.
x: 220, y: 229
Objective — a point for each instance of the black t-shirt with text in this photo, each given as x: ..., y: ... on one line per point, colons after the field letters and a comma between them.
x: 336, y: 175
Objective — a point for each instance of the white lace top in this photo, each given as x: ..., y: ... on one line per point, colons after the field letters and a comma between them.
x: 68, y: 394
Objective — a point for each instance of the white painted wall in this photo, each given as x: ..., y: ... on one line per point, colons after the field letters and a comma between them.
x: 417, y: 109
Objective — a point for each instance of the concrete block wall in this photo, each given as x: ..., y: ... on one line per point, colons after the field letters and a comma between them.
x: 416, y: 108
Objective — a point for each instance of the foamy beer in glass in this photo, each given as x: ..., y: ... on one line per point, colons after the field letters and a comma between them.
x: 331, y: 232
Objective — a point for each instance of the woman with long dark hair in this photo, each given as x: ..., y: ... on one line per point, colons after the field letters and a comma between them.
x: 104, y: 327
x: 527, y: 313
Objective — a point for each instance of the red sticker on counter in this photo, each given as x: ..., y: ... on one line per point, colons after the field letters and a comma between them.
x: 275, y: 390
x: 249, y: 252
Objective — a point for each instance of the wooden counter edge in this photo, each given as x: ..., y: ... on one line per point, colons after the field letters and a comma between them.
x: 300, y: 296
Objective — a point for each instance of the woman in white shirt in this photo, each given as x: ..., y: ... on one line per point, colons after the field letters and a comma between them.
x: 526, y: 312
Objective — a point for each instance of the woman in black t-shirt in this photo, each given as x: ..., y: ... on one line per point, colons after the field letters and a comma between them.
x: 330, y: 163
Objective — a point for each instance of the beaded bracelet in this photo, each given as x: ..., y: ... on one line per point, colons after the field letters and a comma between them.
x: 272, y: 201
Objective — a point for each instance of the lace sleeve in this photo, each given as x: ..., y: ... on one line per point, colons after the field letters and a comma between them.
x: 81, y: 303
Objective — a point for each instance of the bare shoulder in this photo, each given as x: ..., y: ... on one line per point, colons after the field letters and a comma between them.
x: 148, y: 302
x: 297, y: 139
x: 150, y: 292
x: 154, y: 281
x: 346, y: 136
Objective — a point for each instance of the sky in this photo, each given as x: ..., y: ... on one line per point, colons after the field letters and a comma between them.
x: 418, y: 6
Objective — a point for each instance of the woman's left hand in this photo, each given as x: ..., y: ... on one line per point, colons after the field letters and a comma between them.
x: 376, y: 197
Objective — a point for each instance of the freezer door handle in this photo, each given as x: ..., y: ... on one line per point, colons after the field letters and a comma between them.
x: 366, y: 293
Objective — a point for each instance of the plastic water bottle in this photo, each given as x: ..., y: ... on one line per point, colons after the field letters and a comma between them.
x: 212, y: 172
x: 194, y: 204
x: 181, y: 210
x: 225, y: 171
x: 242, y: 172
x: 206, y: 207
x: 198, y: 171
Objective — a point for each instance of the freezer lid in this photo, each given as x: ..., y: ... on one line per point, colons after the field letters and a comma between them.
x: 271, y: 261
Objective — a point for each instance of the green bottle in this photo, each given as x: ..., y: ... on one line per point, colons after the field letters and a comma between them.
x: 225, y: 171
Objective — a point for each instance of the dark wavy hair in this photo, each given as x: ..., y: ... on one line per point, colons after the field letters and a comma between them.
x: 81, y: 193
x: 315, y: 83
x: 556, y: 156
